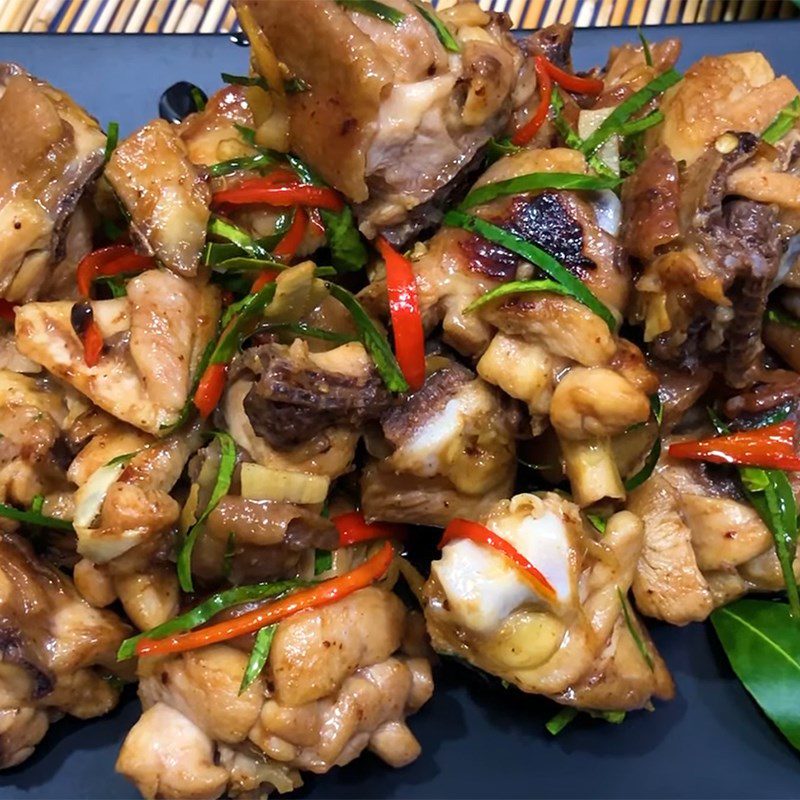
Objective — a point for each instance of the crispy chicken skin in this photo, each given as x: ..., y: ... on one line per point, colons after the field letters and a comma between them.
x: 56, y: 652
x: 340, y: 679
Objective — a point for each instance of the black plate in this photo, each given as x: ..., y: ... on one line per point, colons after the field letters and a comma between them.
x: 478, y: 740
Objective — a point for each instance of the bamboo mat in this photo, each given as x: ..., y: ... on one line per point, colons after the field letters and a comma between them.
x: 216, y: 16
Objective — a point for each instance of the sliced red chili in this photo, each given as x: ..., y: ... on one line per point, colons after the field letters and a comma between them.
x: 353, y: 528
x: 771, y: 447
x: 409, y: 335
x: 480, y: 534
x: 210, y: 388
x: 545, y: 83
x: 268, y: 192
x: 574, y: 83
x: 266, y: 276
x: 114, y: 260
x: 290, y: 244
x: 92, y: 344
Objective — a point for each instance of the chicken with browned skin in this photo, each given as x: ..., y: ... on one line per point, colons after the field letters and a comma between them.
x: 52, y: 152
x: 389, y: 116
x: 340, y: 679
x: 574, y: 645
x: 704, y: 543
x: 154, y: 338
x: 57, y: 653
x: 165, y: 196
x: 448, y: 450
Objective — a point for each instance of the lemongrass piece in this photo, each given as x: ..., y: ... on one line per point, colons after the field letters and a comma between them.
x: 265, y: 483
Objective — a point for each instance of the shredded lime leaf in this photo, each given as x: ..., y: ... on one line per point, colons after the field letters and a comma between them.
x: 783, y: 123
x: 258, y: 656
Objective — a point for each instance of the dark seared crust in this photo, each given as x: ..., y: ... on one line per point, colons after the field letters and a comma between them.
x: 427, y: 217
x: 400, y: 422
x: 554, y: 43
x: 544, y: 220
x: 736, y: 238
x: 290, y: 403
x: 650, y: 203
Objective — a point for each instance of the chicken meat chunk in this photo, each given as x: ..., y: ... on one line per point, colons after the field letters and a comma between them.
x: 154, y: 338
x: 51, y: 151
x: 57, y: 653
x: 167, y: 200
x: 389, y: 116
x: 570, y: 639
x: 340, y: 679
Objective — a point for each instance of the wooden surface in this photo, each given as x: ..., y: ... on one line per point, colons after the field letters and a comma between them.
x: 214, y: 16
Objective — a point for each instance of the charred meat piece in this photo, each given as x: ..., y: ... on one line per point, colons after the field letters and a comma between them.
x: 51, y: 152
x: 164, y: 195
x: 340, y: 679
x: 574, y: 646
x: 390, y: 117
x: 703, y: 295
x: 56, y: 651
x: 154, y: 339
x: 299, y: 394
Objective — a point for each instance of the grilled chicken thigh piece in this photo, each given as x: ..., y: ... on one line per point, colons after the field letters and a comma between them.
x: 388, y: 115
x: 574, y: 645
x: 51, y: 150
x: 154, y: 338
x: 56, y: 651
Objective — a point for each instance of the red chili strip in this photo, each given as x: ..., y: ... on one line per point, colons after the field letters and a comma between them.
x: 353, y: 528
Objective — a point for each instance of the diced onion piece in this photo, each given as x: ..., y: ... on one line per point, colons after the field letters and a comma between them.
x: 266, y: 483
x: 89, y: 497
x: 103, y: 545
x: 589, y: 120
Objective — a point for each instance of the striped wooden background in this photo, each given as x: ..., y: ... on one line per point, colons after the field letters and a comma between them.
x: 213, y: 16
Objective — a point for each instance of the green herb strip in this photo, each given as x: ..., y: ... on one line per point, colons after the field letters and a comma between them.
x: 572, y: 140
x: 447, y: 39
x: 32, y: 517
x: 258, y: 656
x: 227, y: 463
x: 308, y: 331
x: 497, y: 148
x: 234, y: 235
x: 761, y: 642
x: 598, y: 523
x: 535, y: 182
x: 323, y: 561
x: 782, y: 318
x: 112, y: 139
x: 783, y: 123
x: 516, y: 287
x: 657, y: 410
x: 648, y: 56
x: 246, y: 163
x: 535, y: 255
x: 770, y: 493
x: 209, y: 608
x: 640, y: 645
x: 374, y: 9
x: 372, y: 339
x: 624, y: 111
x: 561, y: 720
x: 245, y: 80
x: 639, y: 125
